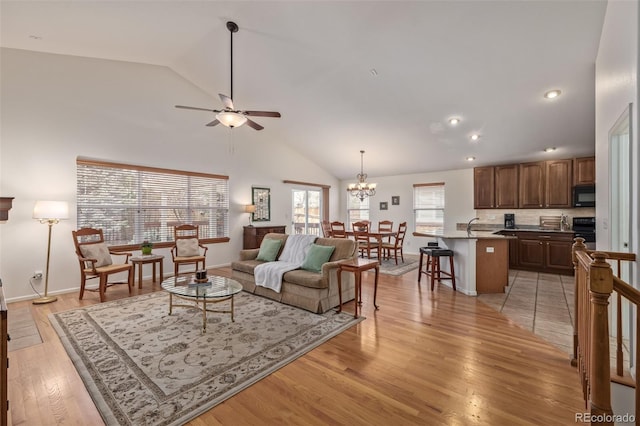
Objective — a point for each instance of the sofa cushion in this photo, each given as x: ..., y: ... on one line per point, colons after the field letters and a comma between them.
x: 345, y: 248
x: 269, y: 250
x: 245, y: 265
x: 305, y: 279
x: 316, y: 257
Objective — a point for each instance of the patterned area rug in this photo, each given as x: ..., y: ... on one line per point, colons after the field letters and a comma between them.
x: 389, y: 267
x: 143, y: 366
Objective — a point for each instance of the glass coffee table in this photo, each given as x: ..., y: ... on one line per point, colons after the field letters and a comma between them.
x: 215, y: 290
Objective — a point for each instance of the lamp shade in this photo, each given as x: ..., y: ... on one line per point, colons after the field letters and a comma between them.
x: 231, y: 119
x: 250, y: 208
x: 45, y: 210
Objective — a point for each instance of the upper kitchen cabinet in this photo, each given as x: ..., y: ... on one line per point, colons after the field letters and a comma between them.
x: 584, y: 171
x: 483, y: 188
x: 495, y: 187
x: 532, y: 185
x: 558, y: 184
x: 506, y: 187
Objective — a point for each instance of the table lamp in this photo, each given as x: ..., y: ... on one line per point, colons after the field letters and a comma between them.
x: 251, y: 209
x: 49, y: 212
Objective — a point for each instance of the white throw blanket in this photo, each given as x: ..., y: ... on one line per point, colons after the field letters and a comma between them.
x: 295, y: 249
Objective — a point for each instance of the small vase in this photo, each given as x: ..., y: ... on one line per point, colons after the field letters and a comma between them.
x: 146, y: 250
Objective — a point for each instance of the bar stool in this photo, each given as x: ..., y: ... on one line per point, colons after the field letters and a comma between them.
x: 432, y: 266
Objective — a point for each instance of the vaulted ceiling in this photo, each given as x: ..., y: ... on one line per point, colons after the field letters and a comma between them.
x: 380, y: 76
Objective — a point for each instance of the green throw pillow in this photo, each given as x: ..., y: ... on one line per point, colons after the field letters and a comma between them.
x: 269, y: 250
x: 316, y: 257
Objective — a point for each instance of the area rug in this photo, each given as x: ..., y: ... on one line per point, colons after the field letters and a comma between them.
x: 145, y: 367
x: 389, y: 267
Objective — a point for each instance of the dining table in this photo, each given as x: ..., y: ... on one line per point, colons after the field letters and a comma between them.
x: 378, y: 235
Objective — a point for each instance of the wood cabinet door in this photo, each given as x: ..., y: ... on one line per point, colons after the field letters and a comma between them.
x: 531, y: 253
x: 584, y: 171
x: 531, y: 187
x: 558, y: 183
x: 558, y: 255
x: 513, y: 249
x: 483, y: 188
x: 506, y: 187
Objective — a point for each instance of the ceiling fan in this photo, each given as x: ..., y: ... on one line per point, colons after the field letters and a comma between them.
x: 230, y: 116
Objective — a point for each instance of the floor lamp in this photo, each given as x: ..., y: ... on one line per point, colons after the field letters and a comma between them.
x: 251, y: 209
x: 49, y: 212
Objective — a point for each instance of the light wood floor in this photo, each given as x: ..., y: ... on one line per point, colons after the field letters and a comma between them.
x: 424, y: 358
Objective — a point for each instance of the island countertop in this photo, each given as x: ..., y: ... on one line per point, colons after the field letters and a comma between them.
x: 464, y: 235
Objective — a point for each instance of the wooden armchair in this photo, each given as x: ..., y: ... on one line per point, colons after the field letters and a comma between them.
x: 95, y: 261
x: 326, y: 228
x: 187, y: 249
x: 396, y: 245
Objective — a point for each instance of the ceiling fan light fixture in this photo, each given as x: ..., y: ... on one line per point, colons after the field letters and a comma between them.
x: 231, y: 119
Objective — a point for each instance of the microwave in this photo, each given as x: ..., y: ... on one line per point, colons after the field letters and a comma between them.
x: 584, y: 196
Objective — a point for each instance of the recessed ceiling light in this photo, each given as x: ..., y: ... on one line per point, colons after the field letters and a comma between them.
x: 470, y: 158
x: 35, y: 37
x: 373, y: 72
x: 550, y: 149
x: 552, y: 94
x: 475, y: 137
x: 454, y: 121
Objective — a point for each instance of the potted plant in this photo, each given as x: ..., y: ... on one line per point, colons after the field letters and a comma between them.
x: 146, y: 247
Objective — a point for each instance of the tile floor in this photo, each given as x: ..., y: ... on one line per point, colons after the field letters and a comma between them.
x: 541, y: 303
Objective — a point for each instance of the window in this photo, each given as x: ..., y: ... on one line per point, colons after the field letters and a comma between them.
x: 357, y: 210
x: 132, y: 204
x: 305, y: 211
x: 428, y: 207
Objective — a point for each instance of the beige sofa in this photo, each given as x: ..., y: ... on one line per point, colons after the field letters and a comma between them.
x: 315, y: 292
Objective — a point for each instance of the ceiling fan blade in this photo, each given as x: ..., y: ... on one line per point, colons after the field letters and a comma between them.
x: 213, y: 123
x: 254, y: 125
x: 226, y: 101
x: 262, y: 113
x: 199, y: 109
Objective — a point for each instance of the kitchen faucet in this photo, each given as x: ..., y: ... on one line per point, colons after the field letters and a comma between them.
x: 469, y: 224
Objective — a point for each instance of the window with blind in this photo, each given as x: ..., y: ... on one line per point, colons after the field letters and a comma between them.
x: 357, y: 210
x: 428, y: 207
x: 132, y: 204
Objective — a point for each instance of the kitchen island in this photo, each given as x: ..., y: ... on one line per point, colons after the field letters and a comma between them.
x: 481, y: 259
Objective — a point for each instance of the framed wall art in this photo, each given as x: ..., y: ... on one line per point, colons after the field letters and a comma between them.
x: 262, y: 200
x: 395, y: 200
x: 384, y: 205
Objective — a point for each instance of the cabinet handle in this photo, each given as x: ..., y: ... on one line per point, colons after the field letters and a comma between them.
x: 540, y: 243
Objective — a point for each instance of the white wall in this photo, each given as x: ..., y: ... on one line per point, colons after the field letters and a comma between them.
x: 55, y: 108
x: 616, y: 87
x: 458, y: 201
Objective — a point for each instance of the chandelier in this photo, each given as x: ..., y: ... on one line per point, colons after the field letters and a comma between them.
x: 362, y: 189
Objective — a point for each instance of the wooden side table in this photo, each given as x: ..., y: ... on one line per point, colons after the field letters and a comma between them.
x: 149, y: 258
x: 357, y: 266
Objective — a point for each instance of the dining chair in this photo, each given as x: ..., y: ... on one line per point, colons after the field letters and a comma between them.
x: 363, y: 239
x: 187, y: 249
x: 326, y: 228
x: 95, y: 260
x: 385, y: 226
x: 338, y: 230
x: 396, y: 245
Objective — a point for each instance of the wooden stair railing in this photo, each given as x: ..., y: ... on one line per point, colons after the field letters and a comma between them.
x: 595, y: 282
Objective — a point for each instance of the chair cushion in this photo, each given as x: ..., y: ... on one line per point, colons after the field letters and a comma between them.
x: 316, y: 257
x: 269, y: 249
x: 187, y: 247
x: 98, y: 251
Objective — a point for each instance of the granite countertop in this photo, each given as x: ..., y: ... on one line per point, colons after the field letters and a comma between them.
x: 463, y: 235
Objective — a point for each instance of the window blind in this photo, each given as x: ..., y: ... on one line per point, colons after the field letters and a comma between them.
x: 356, y: 210
x: 132, y: 204
x: 428, y: 207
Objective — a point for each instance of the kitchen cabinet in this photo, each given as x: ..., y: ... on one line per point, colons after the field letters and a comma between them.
x: 584, y: 171
x: 483, y: 188
x: 545, y: 184
x: 531, y: 185
x: 513, y: 249
x: 495, y: 187
x: 544, y: 252
x: 558, y: 184
x: 506, y: 187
